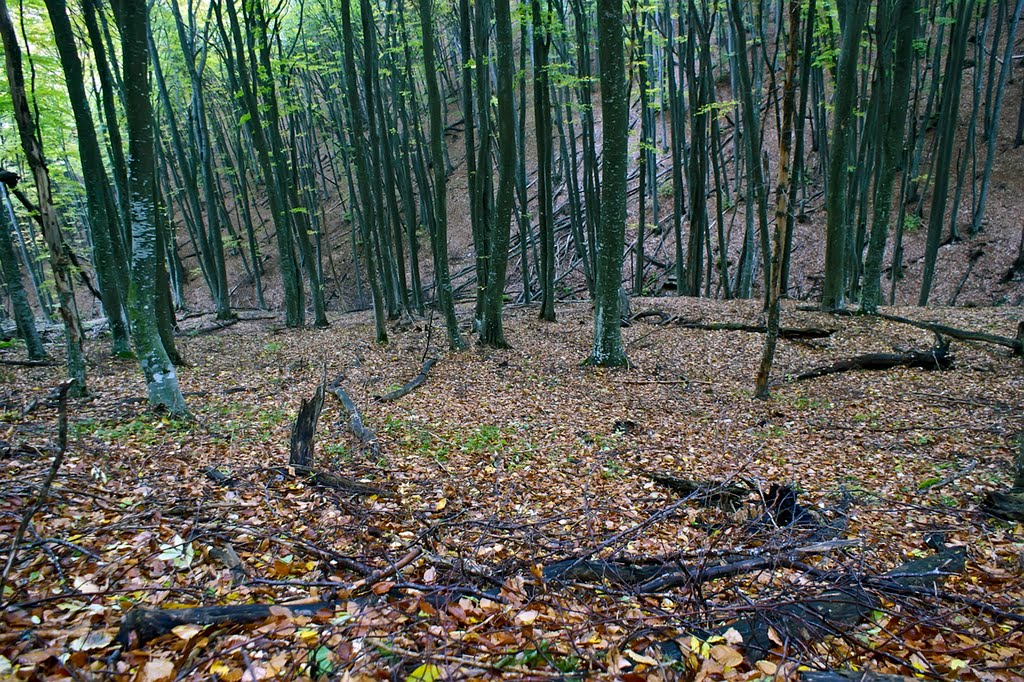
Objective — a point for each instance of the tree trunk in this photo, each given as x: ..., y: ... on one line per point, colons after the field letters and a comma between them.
x: 59, y: 261
x: 491, y: 333
x: 611, y: 237
x: 161, y: 378
x: 439, y: 235
x: 833, y: 295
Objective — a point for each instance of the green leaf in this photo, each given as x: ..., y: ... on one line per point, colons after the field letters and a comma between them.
x: 428, y: 672
x: 320, y: 662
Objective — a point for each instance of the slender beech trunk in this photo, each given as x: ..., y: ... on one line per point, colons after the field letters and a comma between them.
x: 362, y: 174
x: 545, y: 160
x: 104, y: 228
x: 439, y: 233
x: 492, y: 333
x: 59, y: 260
x: 834, y: 291
x: 781, y: 202
x: 895, y: 64
x: 949, y: 109
x: 24, y: 318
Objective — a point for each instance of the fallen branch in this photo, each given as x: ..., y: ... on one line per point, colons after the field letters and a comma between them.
x: 332, y: 480
x: 838, y: 610
x: 689, y: 576
x: 936, y: 358
x: 367, y: 438
x: 148, y: 624
x: 44, y: 491
x: 1016, y: 345
x: 411, y: 386
x: 784, y: 332
x: 29, y: 363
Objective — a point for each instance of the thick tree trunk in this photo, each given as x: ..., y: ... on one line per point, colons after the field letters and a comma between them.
x: 611, y: 237
x: 143, y: 306
x: 834, y: 293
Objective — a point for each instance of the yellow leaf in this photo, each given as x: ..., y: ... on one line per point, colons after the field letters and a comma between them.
x: 441, y: 504
x: 957, y: 664
x: 219, y: 669
x: 428, y: 672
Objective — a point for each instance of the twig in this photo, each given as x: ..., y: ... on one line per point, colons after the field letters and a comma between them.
x: 62, y: 446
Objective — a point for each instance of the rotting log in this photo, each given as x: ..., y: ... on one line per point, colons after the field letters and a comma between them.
x: 367, y: 438
x: 304, y: 429
x: 937, y: 358
x: 1016, y: 345
x: 148, y: 624
x: 706, y: 493
x: 411, y: 386
x: 327, y: 479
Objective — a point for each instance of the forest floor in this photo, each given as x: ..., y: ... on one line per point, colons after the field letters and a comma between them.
x: 503, y: 463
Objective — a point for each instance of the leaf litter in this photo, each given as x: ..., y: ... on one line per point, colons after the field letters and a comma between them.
x: 503, y: 464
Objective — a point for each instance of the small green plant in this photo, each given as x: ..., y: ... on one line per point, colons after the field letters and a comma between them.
x: 272, y: 346
x: 912, y: 223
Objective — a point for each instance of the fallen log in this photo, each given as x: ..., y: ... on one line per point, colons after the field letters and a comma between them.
x: 411, y: 386
x: 851, y: 676
x: 328, y: 479
x: 801, y: 333
x: 937, y: 358
x: 148, y: 624
x: 1016, y: 345
x: 29, y: 363
x: 367, y: 438
x: 720, y: 494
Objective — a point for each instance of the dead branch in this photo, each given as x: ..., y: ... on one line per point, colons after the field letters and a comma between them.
x: 411, y: 386
x: 62, y: 446
x: 784, y: 332
x: 367, y: 438
x: 937, y: 358
x: 1016, y: 345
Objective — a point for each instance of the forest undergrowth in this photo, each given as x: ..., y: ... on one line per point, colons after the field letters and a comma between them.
x: 504, y: 521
